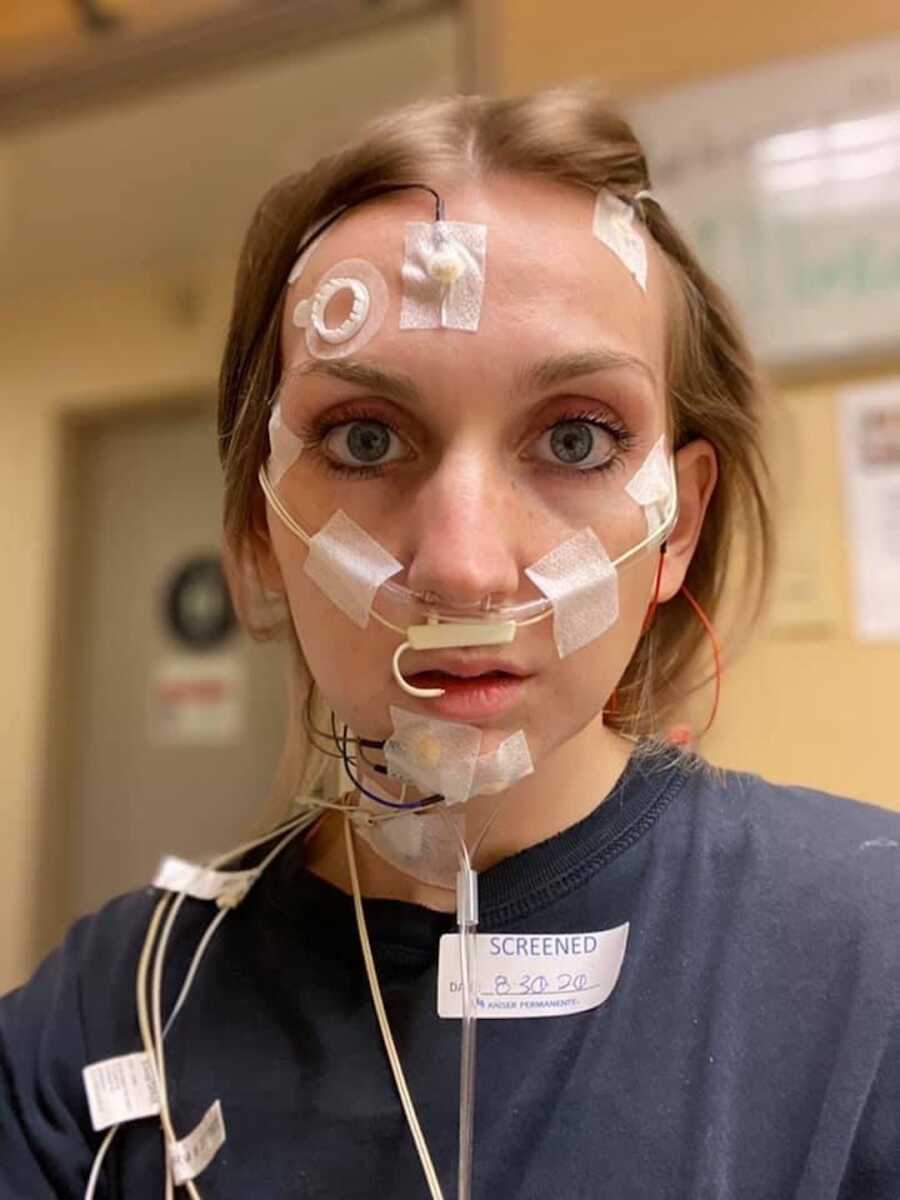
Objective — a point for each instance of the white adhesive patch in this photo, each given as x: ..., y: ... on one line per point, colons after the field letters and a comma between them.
x: 443, y: 275
x: 349, y: 566
x: 200, y: 882
x: 284, y: 446
x: 418, y: 845
x: 498, y: 771
x: 120, y: 1089
x: 370, y: 304
x: 193, y: 1154
x: 582, y: 584
x: 535, y: 974
x: 613, y: 225
x: 652, y: 485
x: 434, y: 756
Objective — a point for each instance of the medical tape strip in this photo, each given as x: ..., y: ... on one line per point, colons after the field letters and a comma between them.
x: 582, y: 584
x: 284, y: 446
x: 652, y: 485
x: 435, y: 756
x: 499, y: 770
x: 613, y: 225
x: 419, y: 844
x: 202, y: 883
x: 120, y: 1089
x: 349, y: 566
x: 443, y: 275
x: 193, y: 1154
x: 370, y: 304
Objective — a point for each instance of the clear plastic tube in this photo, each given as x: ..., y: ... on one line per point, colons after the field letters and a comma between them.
x: 467, y: 919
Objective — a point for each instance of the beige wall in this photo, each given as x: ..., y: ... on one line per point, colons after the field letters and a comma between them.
x: 806, y: 702
x: 634, y: 47
x: 95, y: 345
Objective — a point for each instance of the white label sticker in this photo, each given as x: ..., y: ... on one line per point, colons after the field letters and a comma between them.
x: 194, y: 1153
x: 203, y: 883
x: 120, y: 1089
x: 534, y: 974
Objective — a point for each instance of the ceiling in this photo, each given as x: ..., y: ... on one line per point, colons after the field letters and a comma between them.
x: 174, y: 176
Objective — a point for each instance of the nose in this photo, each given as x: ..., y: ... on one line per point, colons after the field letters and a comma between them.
x: 466, y: 531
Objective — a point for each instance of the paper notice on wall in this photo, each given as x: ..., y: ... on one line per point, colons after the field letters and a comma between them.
x: 197, y: 699
x: 870, y: 450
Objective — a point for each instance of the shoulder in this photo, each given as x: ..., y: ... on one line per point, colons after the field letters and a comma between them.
x: 813, y: 852
x: 76, y: 1008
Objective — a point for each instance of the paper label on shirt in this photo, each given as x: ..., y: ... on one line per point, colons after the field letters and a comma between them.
x: 534, y: 974
x: 203, y: 883
x: 120, y: 1089
x: 194, y: 1153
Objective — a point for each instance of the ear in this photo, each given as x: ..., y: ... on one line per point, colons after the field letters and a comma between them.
x: 697, y: 470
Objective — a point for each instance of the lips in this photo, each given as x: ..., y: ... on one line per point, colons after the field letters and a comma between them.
x: 472, y: 697
x: 464, y: 667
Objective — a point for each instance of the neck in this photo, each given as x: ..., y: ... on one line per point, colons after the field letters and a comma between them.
x: 578, y: 776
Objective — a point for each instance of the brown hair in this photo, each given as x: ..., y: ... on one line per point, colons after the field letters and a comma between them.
x: 571, y: 136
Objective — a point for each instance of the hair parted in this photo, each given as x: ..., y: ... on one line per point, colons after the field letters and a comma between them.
x: 569, y: 135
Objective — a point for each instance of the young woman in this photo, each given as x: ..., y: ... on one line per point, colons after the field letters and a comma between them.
x: 489, y: 435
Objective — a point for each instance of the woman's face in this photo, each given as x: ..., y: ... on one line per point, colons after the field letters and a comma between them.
x: 464, y: 454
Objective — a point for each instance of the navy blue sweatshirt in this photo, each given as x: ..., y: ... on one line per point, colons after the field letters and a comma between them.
x: 749, y: 1049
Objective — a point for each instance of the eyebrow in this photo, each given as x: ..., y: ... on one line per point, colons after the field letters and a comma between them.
x: 550, y: 372
x: 397, y: 386
x: 547, y: 373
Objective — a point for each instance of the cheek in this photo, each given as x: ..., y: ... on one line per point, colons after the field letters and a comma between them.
x: 351, y: 666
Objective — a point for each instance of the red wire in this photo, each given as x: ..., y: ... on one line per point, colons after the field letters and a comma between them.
x: 717, y: 653
x: 705, y: 622
x: 651, y: 611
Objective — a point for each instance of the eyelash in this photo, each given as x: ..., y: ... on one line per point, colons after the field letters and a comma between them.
x: 316, y: 433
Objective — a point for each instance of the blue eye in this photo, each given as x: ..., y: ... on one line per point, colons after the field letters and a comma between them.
x: 583, y: 443
x: 363, y: 443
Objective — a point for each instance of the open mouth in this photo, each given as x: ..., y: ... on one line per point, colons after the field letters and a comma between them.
x: 443, y: 679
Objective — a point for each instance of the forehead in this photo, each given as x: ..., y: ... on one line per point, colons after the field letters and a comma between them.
x: 551, y: 287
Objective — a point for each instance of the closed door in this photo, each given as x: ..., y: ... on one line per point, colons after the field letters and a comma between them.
x: 175, y: 724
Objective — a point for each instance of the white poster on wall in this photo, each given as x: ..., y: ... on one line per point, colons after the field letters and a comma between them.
x: 197, y: 699
x: 786, y: 180
x: 870, y: 451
